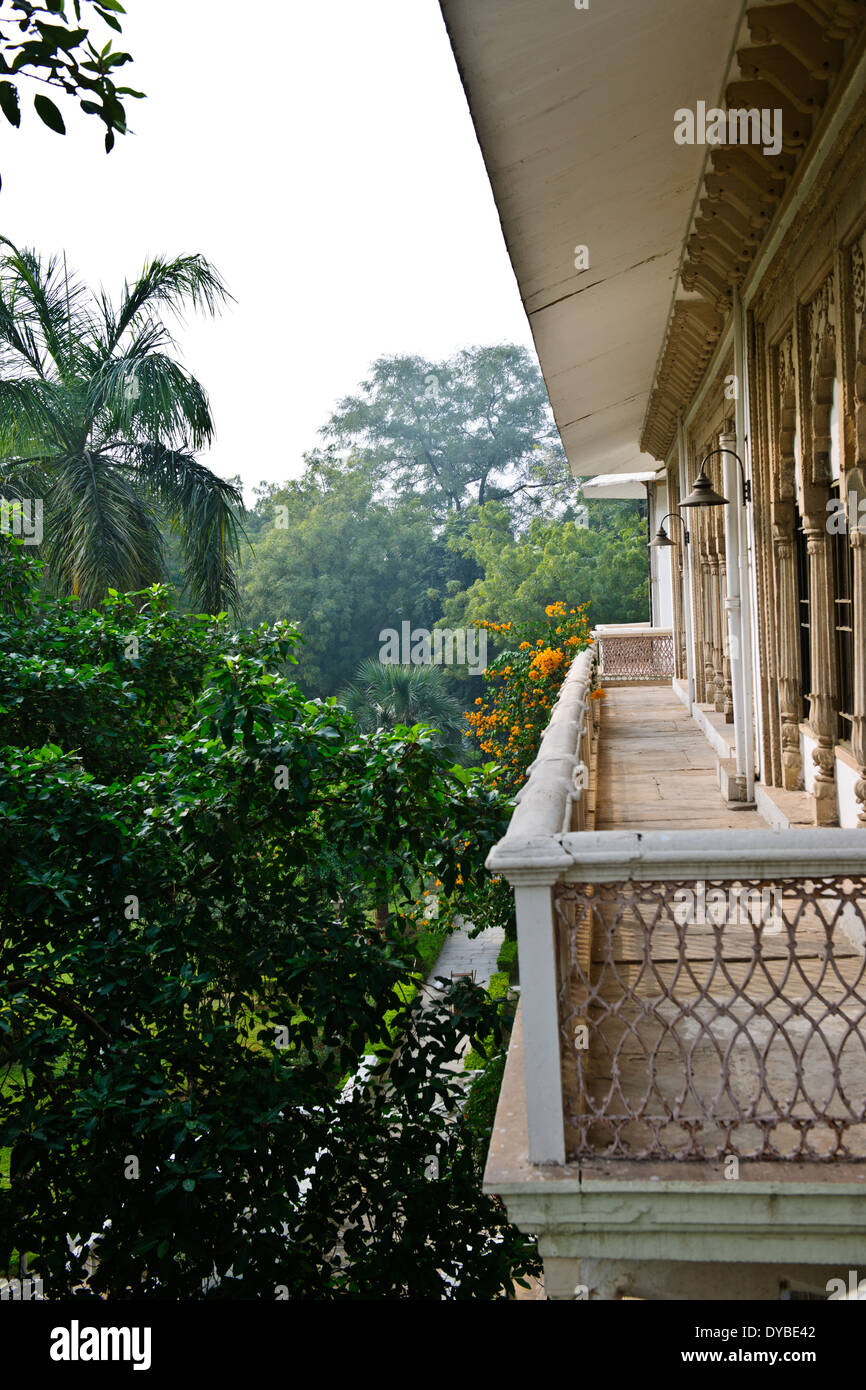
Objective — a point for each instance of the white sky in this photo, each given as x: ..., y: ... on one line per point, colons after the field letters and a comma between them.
x: 324, y: 160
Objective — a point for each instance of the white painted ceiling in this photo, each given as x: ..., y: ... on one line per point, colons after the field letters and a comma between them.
x: 574, y: 112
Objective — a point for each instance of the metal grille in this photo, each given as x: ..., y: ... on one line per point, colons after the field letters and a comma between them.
x: 633, y: 657
x: 731, y: 1022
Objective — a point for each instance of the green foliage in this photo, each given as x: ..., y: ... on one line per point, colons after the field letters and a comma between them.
x: 522, y: 685
x: 343, y: 565
x: 470, y: 429
x: 498, y: 987
x: 49, y: 44
x: 193, y: 854
x: 452, y: 505
x: 480, y: 1055
x: 480, y: 1112
x: 429, y: 941
x: 507, y: 958
x: 99, y: 421
x: 553, y: 559
x: 388, y: 696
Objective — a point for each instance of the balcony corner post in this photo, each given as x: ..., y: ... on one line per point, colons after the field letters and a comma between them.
x: 539, y: 1000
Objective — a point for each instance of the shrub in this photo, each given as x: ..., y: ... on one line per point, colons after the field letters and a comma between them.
x: 507, y: 958
x: 523, y: 684
x: 186, y: 978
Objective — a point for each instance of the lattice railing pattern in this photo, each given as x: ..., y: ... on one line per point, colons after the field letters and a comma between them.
x: 701, y: 1021
x: 632, y: 656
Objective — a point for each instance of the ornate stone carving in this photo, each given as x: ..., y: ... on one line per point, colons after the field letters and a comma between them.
x: 858, y: 285
x: 822, y: 705
x: 821, y: 347
x: 857, y: 483
x: 785, y: 370
x: 742, y: 188
x: 787, y: 636
x: 821, y: 314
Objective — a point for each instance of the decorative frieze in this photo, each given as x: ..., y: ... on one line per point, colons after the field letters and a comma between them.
x: 791, y: 63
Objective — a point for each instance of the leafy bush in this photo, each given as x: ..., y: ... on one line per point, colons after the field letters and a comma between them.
x: 186, y: 978
x: 507, y: 958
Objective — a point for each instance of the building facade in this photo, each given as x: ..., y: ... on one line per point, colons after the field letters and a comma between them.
x: 682, y: 190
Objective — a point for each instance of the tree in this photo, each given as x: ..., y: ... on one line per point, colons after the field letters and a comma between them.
x: 553, y: 560
x: 474, y: 428
x: 39, y: 43
x: 385, y: 696
x: 190, y: 971
x: 344, y: 565
x: 100, y: 422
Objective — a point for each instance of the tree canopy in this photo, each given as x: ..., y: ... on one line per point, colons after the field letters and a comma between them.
x: 345, y: 560
x: 100, y: 421
x: 343, y: 564
x: 191, y: 971
x: 553, y: 560
x: 474, y: 428
x: 49, y: 46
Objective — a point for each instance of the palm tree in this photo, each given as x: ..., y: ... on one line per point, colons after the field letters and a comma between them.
x: 384, y: 695
x: 99, y: 420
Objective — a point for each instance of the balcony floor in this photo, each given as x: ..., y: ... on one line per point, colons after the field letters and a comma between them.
x: 656, y: 770
x: 783, y: 1010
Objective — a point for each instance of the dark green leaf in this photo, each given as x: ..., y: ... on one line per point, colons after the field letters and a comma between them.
x: 48, y: 113
x: 9, y: 103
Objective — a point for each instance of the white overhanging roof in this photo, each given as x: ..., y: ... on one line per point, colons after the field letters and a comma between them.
x: 617, y: 485
x: 574, y: 112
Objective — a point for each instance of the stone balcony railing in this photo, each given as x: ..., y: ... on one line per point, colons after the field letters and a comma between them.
x: 635, y: 652
x: 688, y: 995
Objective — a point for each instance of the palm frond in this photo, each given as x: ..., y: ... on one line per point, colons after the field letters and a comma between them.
x: 206, y: 511
x: 151, y: 397
x: 166, y: 285
x: 100, y: 532
x: 43, y: 296
x: 391, y: 694
x: 94, y: 408
x: 32, y: 411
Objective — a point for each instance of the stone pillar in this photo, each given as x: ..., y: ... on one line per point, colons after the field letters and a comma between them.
x: 698, y: 612
x: 856, y: 484
x: 822, y: 705
x: 676, y: 534
x: 707, y: 615
x: 727, y: 685
x: 717, y: 659
x: 788, y: 645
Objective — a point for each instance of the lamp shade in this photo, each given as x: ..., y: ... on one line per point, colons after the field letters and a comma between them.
x: 703, y: 494
x: 661, y: 539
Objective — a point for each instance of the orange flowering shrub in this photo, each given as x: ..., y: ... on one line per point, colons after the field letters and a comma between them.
x: 523, y: 683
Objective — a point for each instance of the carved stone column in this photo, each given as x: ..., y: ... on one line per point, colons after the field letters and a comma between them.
x: 698, y: 610
x: 727, y: 687
x: 788, y: 645
x: 717, y: 659
x: 707, y: 614
x: 822, y: 706
x: 857, y: 484
x: 676, y: 534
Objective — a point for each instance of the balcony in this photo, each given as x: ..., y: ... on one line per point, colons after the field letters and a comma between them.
x: 684, y: 1106
x: 636, y: 652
